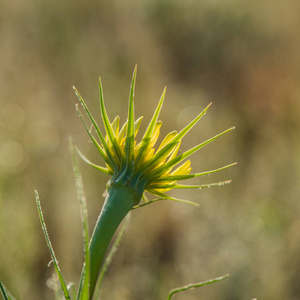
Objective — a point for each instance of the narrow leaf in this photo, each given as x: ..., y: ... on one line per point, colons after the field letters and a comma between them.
x: 56, y: 266
x: 5, y: 293
x: 71, y: 289
x: 84, y: 290
x: 195, y: 285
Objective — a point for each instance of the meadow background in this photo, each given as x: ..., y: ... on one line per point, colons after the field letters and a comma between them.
x: 243, y: 56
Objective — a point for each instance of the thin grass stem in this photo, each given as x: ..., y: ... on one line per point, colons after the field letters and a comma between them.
x: 195, y: 285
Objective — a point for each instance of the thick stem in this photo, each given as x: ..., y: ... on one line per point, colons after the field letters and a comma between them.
x: 119, y: 201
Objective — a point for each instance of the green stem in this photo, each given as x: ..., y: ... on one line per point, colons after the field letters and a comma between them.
x: 119, y: 201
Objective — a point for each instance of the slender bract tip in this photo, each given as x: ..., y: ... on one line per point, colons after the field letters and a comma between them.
x: 149, y: 166
x: 134, y: 77
x: 206, y: 109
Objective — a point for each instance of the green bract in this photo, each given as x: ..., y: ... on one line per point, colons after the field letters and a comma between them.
x: 141, y: 165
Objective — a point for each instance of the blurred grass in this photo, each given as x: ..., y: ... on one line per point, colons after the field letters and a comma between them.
x: 242, y: 56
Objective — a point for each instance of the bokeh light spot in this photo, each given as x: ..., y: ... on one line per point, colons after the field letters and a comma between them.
x: 12, y: 116
x: 12, y: 156
x: 233, y: 250
x: 250, y: 227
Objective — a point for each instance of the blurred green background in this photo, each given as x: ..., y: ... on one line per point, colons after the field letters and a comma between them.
x: 243, y: 56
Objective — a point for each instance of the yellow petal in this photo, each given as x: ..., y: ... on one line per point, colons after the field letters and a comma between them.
x: 167, y: 139
x: 155, y: 134
x: 175, y: 151
x: 183, y: 169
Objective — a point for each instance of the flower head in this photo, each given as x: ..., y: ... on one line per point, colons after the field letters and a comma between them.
x: 144, y: 165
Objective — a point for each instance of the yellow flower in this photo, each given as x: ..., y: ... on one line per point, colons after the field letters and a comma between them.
x: 143, y: 165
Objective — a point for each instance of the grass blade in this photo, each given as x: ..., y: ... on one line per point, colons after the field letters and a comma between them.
x: 5, y: 293
x: 84, y: 284
x: 56, y: 266
x: 195, y: 285
x: 71, y: 289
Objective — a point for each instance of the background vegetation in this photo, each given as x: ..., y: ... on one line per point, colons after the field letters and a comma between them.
x: 243, y: 56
